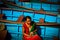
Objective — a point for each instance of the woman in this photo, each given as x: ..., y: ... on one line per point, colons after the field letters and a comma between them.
x: 29, y: 30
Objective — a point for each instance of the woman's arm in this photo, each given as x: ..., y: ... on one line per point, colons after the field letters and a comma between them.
x: 35, y: 30
x: 32, y: 33
x: 24, y: 33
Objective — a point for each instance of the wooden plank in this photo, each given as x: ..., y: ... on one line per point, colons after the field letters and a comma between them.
x: 11, y: 22
x: 48, y: 24
x: 44, y: 24
x: 58, y: 3
x: 38, y: 12
x: 28, y: 9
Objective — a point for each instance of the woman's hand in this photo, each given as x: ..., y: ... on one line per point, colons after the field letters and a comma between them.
x: 31, y: 33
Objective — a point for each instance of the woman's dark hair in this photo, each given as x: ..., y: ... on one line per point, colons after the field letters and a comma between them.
x: 25, y: 18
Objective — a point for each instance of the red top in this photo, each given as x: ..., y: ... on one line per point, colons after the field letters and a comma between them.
x: 35, y: 37
x: 26, y: 28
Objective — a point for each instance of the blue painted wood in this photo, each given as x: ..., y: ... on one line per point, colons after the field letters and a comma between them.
x: 26, y: 4
x: 54, y: 7
x: 38, y: 16
x: 36, y: 6
x: 50, y: 18
x: 58, y: 20
x: 17, y: 13
x: 51, y: 32
x: 29, y: 14
x: 7, y: 12
x: 46, y: 6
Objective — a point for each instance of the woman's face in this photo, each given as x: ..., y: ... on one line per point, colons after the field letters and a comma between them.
x: 28, y: 21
